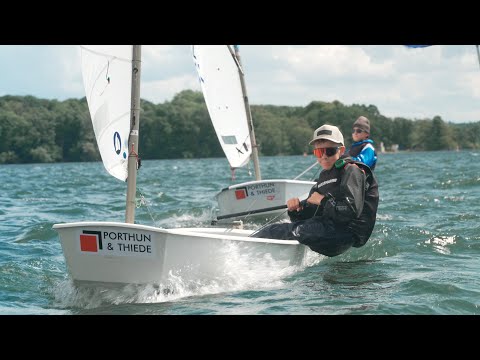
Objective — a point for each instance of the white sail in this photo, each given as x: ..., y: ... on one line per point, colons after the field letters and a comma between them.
x: 107, y: 78
x: 221, y: 86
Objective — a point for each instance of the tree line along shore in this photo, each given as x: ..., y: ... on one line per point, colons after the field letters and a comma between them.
x: 34, y: 130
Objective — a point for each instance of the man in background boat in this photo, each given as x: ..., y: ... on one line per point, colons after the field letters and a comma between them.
x: 340, y: 210
x: 362, y: 148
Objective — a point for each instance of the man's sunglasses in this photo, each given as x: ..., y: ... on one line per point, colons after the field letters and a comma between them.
x: 358, y: 131
x: 329, y: 151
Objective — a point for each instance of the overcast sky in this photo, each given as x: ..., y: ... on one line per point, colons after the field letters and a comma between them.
x: 418, y: 83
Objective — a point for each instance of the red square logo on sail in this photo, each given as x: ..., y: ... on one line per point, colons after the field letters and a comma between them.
x: 88, y: 243
x: 241, y: 194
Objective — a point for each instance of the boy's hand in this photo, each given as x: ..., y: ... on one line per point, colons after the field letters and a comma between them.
x: 294, y: 204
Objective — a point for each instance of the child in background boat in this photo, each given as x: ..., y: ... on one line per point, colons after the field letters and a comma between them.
x: 362, y: 148
x: 340, y: 210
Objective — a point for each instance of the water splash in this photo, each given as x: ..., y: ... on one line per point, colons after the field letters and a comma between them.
x: 241, y: 270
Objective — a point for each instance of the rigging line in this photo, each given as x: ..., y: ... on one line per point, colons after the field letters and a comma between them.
x: 244, y: 143
x: 275, y: 218
x: 306, y: 170
x: 104, y: 54
x: 281, y: 214
x: 134, y: 153
x: 267, y: 223
x: 316, y: 175
x: 250, y: 207
x: 143, y: 201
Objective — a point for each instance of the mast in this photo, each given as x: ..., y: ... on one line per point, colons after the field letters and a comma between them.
x: 133, y: 138
x: 478, y: 54
x: 256, y: 162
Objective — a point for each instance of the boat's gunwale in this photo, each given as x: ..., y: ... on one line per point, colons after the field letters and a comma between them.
x: 192, y: 232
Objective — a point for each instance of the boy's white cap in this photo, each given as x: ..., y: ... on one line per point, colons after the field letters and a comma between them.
x: 328, y: 132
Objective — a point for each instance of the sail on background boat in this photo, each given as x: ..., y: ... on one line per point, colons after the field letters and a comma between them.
x: 221, y: 87
x: 224, y: 91
x: 106, y: 71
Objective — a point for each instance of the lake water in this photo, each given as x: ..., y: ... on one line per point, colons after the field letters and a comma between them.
x: 423, y: 256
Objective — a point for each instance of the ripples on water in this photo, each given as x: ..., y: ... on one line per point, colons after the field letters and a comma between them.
x: 422, y: 257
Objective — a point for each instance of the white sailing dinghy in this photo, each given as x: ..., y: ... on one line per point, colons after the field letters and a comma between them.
x: 117, y: 252
x: 222, y: 80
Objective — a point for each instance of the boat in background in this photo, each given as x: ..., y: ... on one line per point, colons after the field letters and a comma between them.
x: 223, y: 85
x: 124, y: 252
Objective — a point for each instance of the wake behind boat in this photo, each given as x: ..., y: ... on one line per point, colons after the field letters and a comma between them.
x: 116, y: 252
x: 223, y: 85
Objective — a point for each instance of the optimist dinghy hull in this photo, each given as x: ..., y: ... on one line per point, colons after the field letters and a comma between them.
x: 111, y: 252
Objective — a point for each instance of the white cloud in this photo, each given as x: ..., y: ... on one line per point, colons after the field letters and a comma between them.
x: 166, y: 89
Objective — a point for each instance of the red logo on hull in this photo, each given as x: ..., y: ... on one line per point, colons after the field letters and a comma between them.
x: 241, y: 194
x: 88, y: 243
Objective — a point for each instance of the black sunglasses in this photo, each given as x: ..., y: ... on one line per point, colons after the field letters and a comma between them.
x: 358, y: 131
